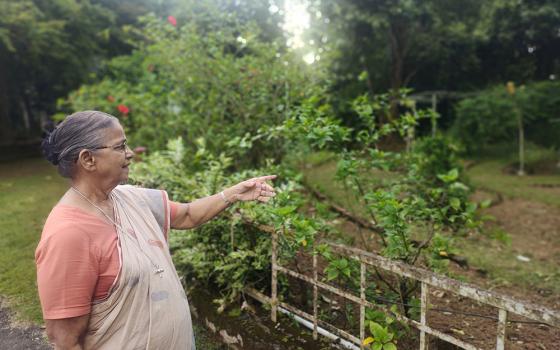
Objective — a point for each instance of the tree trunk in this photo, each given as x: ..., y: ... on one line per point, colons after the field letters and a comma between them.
x: 434, y: 115
x: 397, y: 35
x: 26, y: 117
x: 6, y: 132
x: 521, y: 170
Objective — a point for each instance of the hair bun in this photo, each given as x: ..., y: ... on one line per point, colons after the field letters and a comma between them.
x: 48, y: 147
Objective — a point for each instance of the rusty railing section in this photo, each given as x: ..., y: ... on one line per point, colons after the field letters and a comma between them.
x: 505, y: 304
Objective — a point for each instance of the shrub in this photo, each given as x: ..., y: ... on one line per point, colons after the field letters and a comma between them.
x: 224, y: 86
x: 490, y: 117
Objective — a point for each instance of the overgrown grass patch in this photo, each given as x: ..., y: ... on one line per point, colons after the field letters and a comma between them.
x: 320, y: 172
x: 490, y: 175
x: 499, y: 261
x: 28, y: 191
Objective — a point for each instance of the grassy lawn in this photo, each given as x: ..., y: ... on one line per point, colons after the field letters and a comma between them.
x: 28, y: 190
x: 489, y: 175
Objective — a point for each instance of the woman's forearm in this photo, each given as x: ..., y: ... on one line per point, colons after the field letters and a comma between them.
x: 204, y: 209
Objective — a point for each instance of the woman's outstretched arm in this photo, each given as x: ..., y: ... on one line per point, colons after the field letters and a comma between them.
x: 196, y: 213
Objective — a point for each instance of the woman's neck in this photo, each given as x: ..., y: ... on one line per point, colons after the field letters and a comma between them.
x: 96, y: 194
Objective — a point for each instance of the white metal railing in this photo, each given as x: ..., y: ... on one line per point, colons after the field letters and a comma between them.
x: 505, y: 304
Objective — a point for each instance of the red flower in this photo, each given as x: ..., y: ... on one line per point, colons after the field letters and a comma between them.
x: 110, y: 98
x: 123, y: 109
x: 172, y: 20
x: 140, y: 149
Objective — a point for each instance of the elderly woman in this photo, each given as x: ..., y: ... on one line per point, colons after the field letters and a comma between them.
x: 105, y: 276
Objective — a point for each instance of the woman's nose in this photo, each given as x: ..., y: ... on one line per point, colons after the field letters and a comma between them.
x: 129, y: 153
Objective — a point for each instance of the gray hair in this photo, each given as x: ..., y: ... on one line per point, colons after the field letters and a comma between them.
x: 81, y: 130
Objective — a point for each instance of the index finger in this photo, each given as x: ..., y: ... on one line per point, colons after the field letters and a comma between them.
x: 266, y: 177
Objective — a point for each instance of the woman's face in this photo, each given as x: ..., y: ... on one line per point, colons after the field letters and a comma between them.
x: 114, y: 157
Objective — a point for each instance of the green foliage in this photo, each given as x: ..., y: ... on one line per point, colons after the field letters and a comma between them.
x: 184, y: 82
x: 381, y: 338
x: 520, y: 35
x: 490, y: 117
x: 50, y: 48
x: 205, y: 252
x: 337, y: 268
x: 436, y: 156
x: 500, y: 235
x: 378, y: 46
x: 424, y: 192
x: 226, y: 252
x: 312, y: 124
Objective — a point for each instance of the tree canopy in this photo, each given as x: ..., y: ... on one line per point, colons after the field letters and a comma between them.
x: 49, y: 48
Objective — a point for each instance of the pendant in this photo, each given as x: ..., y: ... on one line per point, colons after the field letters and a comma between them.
x: 159, y: 271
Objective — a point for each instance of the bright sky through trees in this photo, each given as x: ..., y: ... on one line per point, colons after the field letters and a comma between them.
x: 296, y: 22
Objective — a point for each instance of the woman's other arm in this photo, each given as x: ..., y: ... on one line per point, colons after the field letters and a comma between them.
x: 193, y: 214
x: 67, y: 333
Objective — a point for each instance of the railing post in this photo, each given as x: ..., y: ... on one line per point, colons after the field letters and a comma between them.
x: 423, y: 311
x: 362, y: 303
x: 315, y: 297
x: 274, y: 286
x: 232, y: 235
x: 502, y: 319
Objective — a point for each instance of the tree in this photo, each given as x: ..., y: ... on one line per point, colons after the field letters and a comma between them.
x: 495, y: 116
x: 520, y: 128
x: 520, y: 40
x: 395, y: 44
x: 373, y: 46
x: 48, y: 48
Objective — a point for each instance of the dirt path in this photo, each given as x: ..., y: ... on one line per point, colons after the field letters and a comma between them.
x: 534, y: 231
x: 15, y: 337
x: 534, y: 227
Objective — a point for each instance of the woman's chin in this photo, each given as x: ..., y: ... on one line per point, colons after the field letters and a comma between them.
x: 124, y: 177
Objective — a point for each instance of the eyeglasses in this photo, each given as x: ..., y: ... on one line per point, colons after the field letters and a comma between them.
x: 122, y: 147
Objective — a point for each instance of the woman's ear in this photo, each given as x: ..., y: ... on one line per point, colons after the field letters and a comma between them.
x: 86, y: 160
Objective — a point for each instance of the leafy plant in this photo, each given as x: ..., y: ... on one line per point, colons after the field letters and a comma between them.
x: 336, y: 268
x: 381, y: 338
x: 225, y: 86
x: 423, y: 196
x: 490, y: 117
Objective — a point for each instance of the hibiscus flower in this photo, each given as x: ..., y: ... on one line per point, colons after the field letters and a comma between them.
x: 123, y: 109
x: 172, y: 20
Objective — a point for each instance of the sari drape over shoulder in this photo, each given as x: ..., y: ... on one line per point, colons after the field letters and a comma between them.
x: 144, y: 309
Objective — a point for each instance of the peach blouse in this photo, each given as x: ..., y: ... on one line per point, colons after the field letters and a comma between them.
x: 78, y: 260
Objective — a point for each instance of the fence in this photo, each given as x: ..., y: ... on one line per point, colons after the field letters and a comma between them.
x: 427, y: 279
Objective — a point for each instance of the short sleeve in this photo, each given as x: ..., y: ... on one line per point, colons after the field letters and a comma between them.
x: 158, y: 202
x: 67, y: 272
x: 173, y: 209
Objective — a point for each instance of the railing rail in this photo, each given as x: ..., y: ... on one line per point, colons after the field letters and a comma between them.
x: 504, y: 303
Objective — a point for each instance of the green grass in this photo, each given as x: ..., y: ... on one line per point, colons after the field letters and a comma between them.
x: 28, y: 191
x: 504, y: 269
x: 489, y: 175
x: 320, y: 171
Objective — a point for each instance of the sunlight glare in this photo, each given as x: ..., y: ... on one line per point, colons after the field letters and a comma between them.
x: 309, y: 58
x: 296, y: 21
